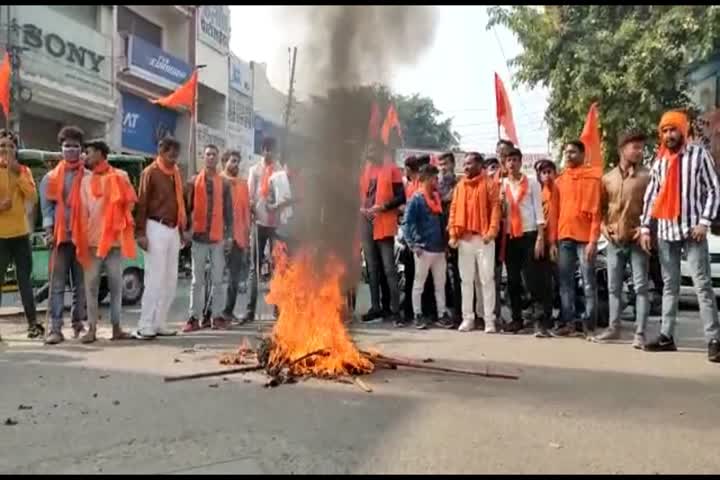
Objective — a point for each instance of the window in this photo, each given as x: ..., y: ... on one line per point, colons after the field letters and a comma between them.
x: 239, y: 111
x: 132, y: 23
x: 85, y: 14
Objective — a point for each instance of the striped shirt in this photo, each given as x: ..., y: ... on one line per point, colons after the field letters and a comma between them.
x: 699, y: 194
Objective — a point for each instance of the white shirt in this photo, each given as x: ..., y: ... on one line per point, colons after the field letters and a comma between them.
x: 531, y: 211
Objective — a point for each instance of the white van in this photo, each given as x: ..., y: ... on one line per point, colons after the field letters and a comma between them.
x: 686, y: 284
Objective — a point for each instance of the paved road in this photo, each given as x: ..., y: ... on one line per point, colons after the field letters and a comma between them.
x: 578, y: 407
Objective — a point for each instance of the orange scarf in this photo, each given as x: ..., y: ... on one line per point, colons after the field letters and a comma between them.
x: 174, y: 172
x: 516, y: 226
x: 241, y: 210
x: 585, y: 189
x: 117, y: 219
x: 433, y: 201
x: 411, y: 187
x: 667, y: 203
x: 265, y: 181
x: 385, y: 223
x: 200, y: 207
x: 551, y: 204
x: 55, y: 193
x: 470, y: 211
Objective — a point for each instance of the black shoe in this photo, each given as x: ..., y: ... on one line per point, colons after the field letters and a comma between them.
x: 563, y: 331
x: 714, y: 351
x: 445, y: 322
x: 36, y: 331
x: 513, y: 327
x: 661, y: 344
x: 420, y: 322
x: 372, y: 316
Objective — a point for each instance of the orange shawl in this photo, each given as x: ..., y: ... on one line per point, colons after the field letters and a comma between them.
x: 551, y: 204
x: 55, y: 187
x: 265, y: 180
x: 433, y: 201
x: 117, y: 219
x: 200, y: 207
x: 516, y: 226
x: 475, y: 208
x: 384, y: 223
x: 174, y: 171
x: 241, y: 210
x: 667, y: 203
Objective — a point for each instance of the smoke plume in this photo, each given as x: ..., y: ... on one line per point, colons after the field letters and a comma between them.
x: 344, y: 49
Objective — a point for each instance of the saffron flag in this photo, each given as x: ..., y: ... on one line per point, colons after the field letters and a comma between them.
x: 5, y: 74
x: 374, y: 125
x: 184, y: 96
x: 591, y: 138
x: 504, y: 112
x: 391, y: 121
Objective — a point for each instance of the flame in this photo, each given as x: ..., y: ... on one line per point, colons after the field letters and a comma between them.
x: 307, y: 293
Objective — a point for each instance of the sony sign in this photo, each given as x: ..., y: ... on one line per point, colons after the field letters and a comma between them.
x: 63, y: 50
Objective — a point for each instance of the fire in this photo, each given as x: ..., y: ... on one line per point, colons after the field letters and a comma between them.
x: 310, y: 303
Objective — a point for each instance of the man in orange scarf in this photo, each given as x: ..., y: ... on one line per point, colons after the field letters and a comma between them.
x: 473, y: 225
x: 237, y: 255
x: 264, y: 217
x: 61, y: 205
x: 684, y: 197
x: 381, y: 193
x: 546, y: 173
x: 160, y: 220
x: 108, y: 199
x: 423, y: 232
x: 578, y: 232
x: 17, y: 189
x: 210, y: 208
x: 525, y: 240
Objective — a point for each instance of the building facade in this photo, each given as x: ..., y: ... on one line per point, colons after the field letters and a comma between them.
x: 64, y: 67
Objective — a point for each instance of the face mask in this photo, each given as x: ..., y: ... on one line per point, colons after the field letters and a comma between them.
x: 71, y: 154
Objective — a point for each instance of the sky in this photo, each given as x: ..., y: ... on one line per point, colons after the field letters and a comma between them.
x: 456, y: 70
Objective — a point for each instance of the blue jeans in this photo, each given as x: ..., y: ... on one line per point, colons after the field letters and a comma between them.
x: 698, y: 260
x: 618, y: 256
x: 63, y: 262
x: 569, y: 252
x: 113, y: 263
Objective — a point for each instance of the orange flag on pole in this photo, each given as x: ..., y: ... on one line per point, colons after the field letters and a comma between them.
x: 5, y: 74
x: 504, y: 111
x: 374, y: 125
x: 591, y: 138
x: 391, y: 121
x: 184, y: 96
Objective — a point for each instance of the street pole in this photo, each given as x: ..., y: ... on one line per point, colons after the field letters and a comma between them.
x: 289, y: 105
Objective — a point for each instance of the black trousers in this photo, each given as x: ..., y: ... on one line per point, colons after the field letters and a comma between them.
x: 237, y: 268
x: 521, y: 262
x: 257, y: 257
x: 18, y: 251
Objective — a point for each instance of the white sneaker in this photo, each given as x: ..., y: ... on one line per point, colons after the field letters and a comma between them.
x: 490, y: 328
x: 165, y: 332
x: 142, y: 335
x: 467, y: 325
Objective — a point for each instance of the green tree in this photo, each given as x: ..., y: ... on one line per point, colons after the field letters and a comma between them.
x: 631, y: 59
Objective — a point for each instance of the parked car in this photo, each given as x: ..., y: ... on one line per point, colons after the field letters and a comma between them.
x: 686, y: 285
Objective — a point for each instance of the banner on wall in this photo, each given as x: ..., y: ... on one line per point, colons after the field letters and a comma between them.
x: 144, y: 124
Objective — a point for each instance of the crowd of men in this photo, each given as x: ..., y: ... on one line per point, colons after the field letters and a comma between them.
x: 456, y: 234
x: 543, y: 228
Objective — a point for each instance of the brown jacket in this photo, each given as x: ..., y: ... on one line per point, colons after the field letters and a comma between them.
x: 622, y: 202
